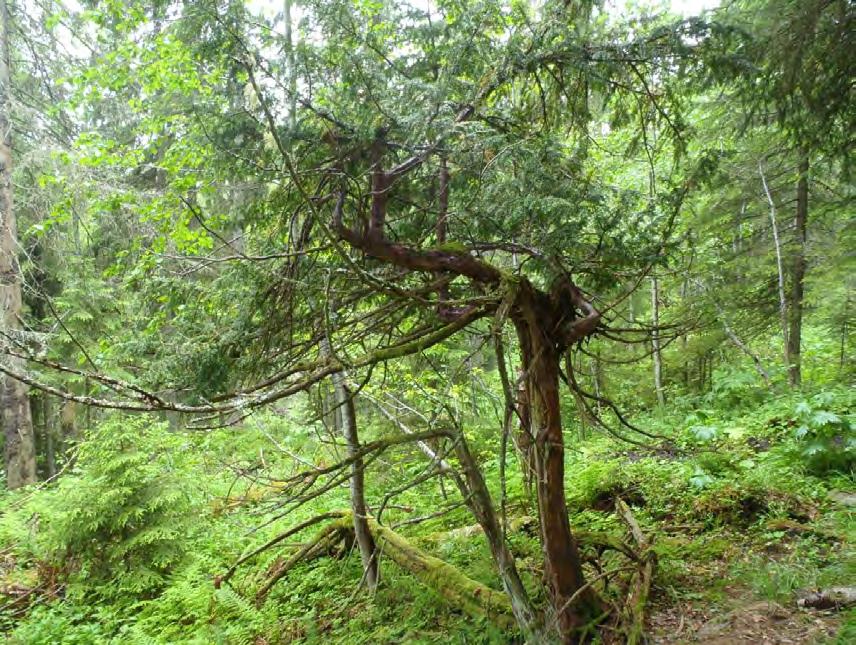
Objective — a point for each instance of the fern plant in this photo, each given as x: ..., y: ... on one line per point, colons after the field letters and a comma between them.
x: 119, y: 525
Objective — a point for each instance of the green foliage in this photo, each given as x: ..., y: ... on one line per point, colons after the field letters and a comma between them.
x: 121, y: 525
x: 739, y: 386
x: 160, y: 223
x: 109, y: 535
x: 825, y: 441
x: 848, y: 631
x: 775, y: 581
x: 64, y: 625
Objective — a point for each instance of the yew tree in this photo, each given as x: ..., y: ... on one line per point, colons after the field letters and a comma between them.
x: 398, y: 176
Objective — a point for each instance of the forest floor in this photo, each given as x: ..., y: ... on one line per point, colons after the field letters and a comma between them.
x: 743, y: 526
x: 724, y: 603
x: 742, y: 618
x: 748, y: 621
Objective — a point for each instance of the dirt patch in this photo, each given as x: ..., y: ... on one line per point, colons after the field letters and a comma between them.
x: 749, y: 622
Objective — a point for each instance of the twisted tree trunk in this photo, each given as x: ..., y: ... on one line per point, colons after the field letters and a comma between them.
x: 547, y: 324
x: 542, y: 326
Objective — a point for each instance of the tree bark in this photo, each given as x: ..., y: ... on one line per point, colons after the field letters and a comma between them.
x: 346, y: 419
x: 20, y: 452
x: 51, y: 447
x: 655, y: 341
x: 478, y: 500
x: 783, y: 303
x: 536, y: 322
x: 798, y: 274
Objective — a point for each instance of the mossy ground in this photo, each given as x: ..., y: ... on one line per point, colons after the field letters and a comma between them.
x: 737, y: 520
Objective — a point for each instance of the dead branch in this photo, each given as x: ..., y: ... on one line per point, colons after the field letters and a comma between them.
x: 637, y: 598
x: 273, y: 542
x: 323, y: 540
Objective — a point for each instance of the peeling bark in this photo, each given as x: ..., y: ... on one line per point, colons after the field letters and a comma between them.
x: 535, y: 319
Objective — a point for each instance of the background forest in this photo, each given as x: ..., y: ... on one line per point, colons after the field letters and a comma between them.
x: 469, y: 321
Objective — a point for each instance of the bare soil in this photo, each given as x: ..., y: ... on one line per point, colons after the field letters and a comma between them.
x: 742, y: 620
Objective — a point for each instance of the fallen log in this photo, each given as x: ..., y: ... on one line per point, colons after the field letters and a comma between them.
x: 449, y: 582
x: 462, y: 592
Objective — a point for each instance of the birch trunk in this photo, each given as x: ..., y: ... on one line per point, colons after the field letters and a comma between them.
x: 783, y: 303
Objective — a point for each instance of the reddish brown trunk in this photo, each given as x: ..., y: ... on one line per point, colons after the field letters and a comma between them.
x: 535, y: 320
x: 443, y: 206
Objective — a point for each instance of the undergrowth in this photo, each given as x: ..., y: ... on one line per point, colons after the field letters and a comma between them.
x: 127, y: 547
